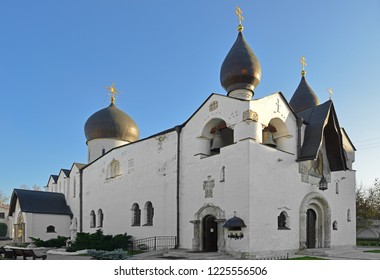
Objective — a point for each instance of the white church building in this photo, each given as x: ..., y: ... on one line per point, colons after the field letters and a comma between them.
x: 240, y: 175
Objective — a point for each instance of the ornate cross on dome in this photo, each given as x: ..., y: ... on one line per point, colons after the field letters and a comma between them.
x: 239, y: 13
x: 113, y: 91
x: 303, y: 62
x: 331, y: 92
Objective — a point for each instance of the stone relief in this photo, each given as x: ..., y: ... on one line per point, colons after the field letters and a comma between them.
x: 213, y: 106
x: 160, y: 139
x: 208, y: 187
x: 250, y: 115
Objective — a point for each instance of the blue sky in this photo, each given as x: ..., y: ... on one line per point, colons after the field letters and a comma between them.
x: 165, y: 57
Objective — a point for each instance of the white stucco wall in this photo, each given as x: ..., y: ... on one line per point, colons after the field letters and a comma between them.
x: 36, y: 226
x: 147, y: 173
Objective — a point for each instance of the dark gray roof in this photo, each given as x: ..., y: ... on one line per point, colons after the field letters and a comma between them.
x: 113, y: 123
x: 39, y: 202
x: 54, y: 177
x: 66, y: 171
x: 304, y: 97
x: 322, y: 123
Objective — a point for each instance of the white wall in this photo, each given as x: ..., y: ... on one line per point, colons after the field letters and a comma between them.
x: 148, y: 173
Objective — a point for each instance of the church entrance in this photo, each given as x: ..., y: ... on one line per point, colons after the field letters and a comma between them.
x: 311, y: 219
x: 210, y: 234
x: 315, y: 222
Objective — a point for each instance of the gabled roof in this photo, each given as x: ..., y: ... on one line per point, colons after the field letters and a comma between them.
x: 54, y: 177
x: 39, y: 202
x: 66, y: 172
x: 322, y: 123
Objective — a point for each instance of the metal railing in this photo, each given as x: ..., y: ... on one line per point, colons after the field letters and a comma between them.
x: 153, y: 244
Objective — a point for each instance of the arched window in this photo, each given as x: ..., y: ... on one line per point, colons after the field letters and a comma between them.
x: 50, y: 228
x: 283, y: 221
x: 148, y: 214
x: 100, y: 218
x: 92, y: 219
x: 335, y: 225
x: 136, y: 215
x: 113, y: 169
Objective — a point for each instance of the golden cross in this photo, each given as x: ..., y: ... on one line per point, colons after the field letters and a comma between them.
x: 239, y: 13
x: 331, y: 92
x: 303, y: 62
x: 113, y: 91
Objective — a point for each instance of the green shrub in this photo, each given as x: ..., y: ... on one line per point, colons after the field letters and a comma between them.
x: 99, y: 241
x: 118, y: 254
x: 3, y: 229
x: 60, y: 241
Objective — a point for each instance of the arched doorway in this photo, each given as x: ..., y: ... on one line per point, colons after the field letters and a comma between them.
x: 210, y: 234
x: 20, y: 229
x: 315, y: 222
x: 311, y: 221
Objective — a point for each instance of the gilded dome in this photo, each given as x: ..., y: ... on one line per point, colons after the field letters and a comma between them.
x: 241, y: 68
x: 113, y: 123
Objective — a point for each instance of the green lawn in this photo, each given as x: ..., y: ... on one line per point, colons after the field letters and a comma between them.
x: 372, y: 251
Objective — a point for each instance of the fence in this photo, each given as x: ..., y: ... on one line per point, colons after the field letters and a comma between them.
x: 153, y: 244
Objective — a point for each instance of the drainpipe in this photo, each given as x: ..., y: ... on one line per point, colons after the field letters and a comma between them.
x: 81, y: 200
x: 178, y: 129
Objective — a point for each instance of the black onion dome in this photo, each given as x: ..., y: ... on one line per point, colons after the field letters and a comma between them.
x: 304, y: 97
x: 241, y: 68
x: 113, y: 123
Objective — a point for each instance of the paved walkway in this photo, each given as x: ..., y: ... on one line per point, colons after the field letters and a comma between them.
x: 358, y: 253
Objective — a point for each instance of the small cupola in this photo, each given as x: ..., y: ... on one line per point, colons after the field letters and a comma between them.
x: 241, y: 71
x: 304, y: 97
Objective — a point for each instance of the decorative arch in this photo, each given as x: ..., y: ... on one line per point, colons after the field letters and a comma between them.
x: 215, y: 135
x: 20, y: 228
x: 315, y: 202
x: 206, y: 211
x: 113, y: 169
x: 279, y: 133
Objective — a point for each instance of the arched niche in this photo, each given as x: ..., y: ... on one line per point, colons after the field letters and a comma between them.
x: 280, y: 134
x: 214, y: 136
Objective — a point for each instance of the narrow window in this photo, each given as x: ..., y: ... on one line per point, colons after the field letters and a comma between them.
x: 337, y: 187
x: 149, y: 212
x: 2, y: 215
x: 335, y: 225
x: 75, y: 187
x: 100, y: 218
x: 348, y: 215
x: 136, y: 215
x: 92, y: 219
